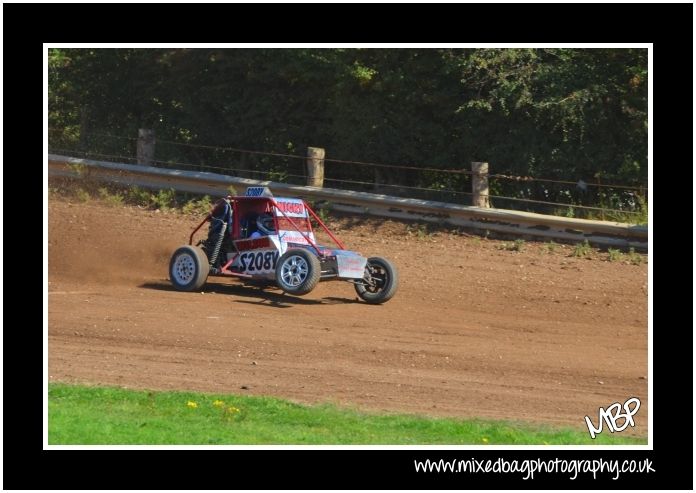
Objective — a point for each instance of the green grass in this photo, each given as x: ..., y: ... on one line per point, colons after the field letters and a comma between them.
x: 82, y: 195
x: 420, y: 231
x: 198, y: 207
x: 515, y: 246
x: 633, y: 257
x: 551, y: 246
x: 638, y: 216
x: 106, y: 415
x: 118, y: 195
x: 111, y: 199
x: 614, y: 255
x: 582, y: 250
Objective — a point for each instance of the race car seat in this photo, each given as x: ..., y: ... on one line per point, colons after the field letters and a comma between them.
x: 248, y: 225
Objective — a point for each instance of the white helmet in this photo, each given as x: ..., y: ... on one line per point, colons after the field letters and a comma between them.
x: 265, y: 224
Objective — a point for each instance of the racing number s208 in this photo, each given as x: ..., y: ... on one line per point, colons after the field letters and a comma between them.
x: 259, y: 261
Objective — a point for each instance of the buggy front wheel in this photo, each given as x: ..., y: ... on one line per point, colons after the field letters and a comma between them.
x: 298, y: 271
x: 380, y: 282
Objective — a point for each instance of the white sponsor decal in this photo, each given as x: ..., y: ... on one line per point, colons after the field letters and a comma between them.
x: 295, y: 237
x: 351, y: 266
x: 291, y: 208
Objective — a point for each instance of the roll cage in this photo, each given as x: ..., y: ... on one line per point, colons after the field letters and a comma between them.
x: 244, y: 207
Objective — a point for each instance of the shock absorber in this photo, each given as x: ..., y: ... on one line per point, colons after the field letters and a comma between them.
x: 218, y: 244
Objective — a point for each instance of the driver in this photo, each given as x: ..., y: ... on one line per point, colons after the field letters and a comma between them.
x: 265, y: 226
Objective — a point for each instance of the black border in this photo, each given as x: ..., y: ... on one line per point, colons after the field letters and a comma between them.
x: 26, y: 26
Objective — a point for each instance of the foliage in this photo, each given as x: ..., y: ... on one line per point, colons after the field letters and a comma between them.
x: 82, y: 195
x: 582, y: 250
x: 79, y: 169
x: 561, y: 113
x: 138, y: 196
x: 419, y: 230
x: 614, y: 254
x: 164, y: 199
x: 197, y: 207
x: 551, y: 246
x: 109, y: 198
x: 515, y: 246
x: 321, y: 208
x: 638, y: 216
x: 633, y: 257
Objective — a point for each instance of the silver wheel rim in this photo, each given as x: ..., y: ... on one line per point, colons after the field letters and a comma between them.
x: 294, y: 271
x: 184, y: 269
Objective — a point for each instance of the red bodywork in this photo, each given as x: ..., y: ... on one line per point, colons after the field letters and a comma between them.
x: 242, y: 206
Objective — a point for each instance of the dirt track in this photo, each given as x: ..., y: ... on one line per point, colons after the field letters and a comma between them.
x: 474, y: 330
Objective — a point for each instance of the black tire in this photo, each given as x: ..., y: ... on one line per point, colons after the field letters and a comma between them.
x: 188, y: 268
x: 298, y: 271
x: 385, y: 279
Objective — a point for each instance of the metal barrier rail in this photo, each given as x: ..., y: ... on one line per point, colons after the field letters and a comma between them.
x: 515, y: 223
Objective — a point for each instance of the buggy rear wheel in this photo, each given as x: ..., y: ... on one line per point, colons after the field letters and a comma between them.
x: 380, y: 282
x: 298, y: 272
x: 188, y: 268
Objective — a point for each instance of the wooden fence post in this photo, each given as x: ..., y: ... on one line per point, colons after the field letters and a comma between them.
x: 146, y: 146
x: 315, y: 167
x: 479, y: 184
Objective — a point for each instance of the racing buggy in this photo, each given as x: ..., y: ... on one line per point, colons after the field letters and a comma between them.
x: 260, y: 237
